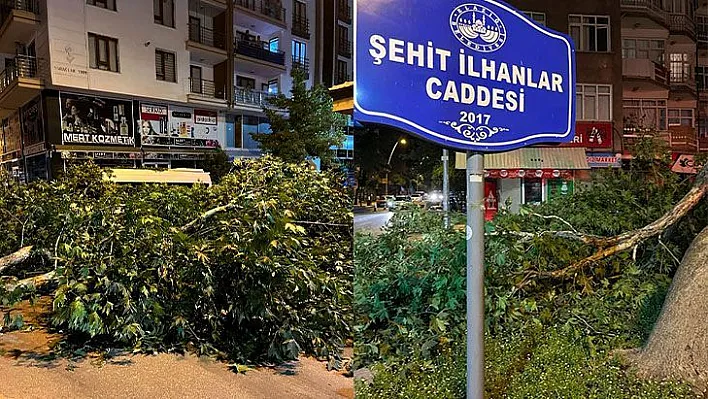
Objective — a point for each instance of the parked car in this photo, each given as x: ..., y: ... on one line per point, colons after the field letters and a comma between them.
x: 399, y: 200
x: 381, y: 202
x: 418, y: 198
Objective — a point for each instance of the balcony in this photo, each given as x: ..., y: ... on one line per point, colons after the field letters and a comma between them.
x: 344, y: 11
x: 683, y: 82
x: 344, y: 48
x: 301, y: 26
x: 251, y: 98
x: 702, y: 36
x: 20, y: 19
x: 683, y: 139
x: 271, y: 10
x: 302, y: 63
x: 19, y: 83
x: 260, y: 51
x: 646, y: 8
x: 645, y: 69
x: 206, y: 45
x: 206, y: 92
x: 682, y: 24
x: 703, y: 144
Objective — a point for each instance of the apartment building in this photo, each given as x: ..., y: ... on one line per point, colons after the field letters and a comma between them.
x: 664, y: 70
x: 140, y: 83
x: 337, y: 65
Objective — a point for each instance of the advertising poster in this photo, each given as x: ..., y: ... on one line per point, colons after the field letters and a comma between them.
x: 32, y: 127
x: 96, y: 121
x: 154, y: 129
x: 13, y: 134
x: 193, y: 128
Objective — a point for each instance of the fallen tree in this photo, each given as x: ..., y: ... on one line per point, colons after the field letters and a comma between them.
x: 255, y: 267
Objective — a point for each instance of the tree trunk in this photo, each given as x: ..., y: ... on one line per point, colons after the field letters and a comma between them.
x: 678, y: 345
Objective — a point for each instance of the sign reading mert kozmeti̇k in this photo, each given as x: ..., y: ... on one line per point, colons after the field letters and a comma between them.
x: 475, y: 75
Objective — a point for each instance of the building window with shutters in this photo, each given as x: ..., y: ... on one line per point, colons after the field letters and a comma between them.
x: 164, y: 11
x: 103, y: 52
x: 165, y: 67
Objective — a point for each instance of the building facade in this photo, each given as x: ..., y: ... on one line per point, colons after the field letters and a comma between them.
x: 337, y: 55
x: 139, y: 83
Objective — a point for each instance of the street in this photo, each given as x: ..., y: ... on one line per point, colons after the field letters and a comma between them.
x: 371, y: 222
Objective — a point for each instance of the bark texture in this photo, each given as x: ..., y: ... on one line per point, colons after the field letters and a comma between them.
x: 678, y: 345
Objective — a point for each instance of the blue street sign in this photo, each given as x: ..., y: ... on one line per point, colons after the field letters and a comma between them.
x: 474, y: 75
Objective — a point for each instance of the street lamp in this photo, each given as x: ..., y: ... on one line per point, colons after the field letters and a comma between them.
x: 403, y: 142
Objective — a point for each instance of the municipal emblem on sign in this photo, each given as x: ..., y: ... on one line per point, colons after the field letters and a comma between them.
x: 478, y: 28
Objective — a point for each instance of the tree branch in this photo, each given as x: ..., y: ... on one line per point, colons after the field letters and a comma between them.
x: 207, y: 215
x: 323, y: 223
x: 16, y: 258
x: 36, y: 281
x: 631, y: 239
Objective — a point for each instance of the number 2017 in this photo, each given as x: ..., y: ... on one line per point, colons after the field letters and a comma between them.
x: 471, y: 117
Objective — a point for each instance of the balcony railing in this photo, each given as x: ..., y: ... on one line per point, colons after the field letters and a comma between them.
x: 206, y: 88
x: 344, y: 11
x: 682, y: 24
x: 301, y: 26
x: 206, y: 36
x: 23, y: 66
x: 703, y: 144
x: 702, y: 36
x: 652, y: 8
x: 301, y: 63
x: 7, y: 6
x: 682, y: 137
x: 269, y: 8
x: 260, y: 50
x: 344, y: 48
x: 251, y: 97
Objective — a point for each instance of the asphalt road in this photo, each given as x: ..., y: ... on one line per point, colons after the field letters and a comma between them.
x: 371, y: 221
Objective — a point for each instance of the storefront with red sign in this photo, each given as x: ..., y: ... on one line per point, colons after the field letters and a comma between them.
x: 528, y: 176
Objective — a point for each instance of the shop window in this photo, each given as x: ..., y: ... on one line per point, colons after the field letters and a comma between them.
x: 533, y: 191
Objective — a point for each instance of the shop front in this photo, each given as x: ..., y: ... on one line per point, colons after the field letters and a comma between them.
x: 528, y: 176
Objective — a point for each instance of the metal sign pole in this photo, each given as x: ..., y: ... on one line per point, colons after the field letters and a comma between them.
x: 475, y: 275
x: 446, y: 189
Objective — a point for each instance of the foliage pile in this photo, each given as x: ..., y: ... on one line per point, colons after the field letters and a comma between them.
x: 265, y: 275
x: 410, y: 293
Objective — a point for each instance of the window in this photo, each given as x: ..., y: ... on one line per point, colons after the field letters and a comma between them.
x: 702, y: 77
x: 593, y: 102
x: 107, y: 4
x: 342, y: 72
x: 246, y: 83
x: 538, y: 17
x: 702, y: 28
x: 343, y: 41
x: 274, y: 45
x: 299, y: 51
x: 643, y: 49
x: 644, y: 115
x: 680, y: 67
x: 164, y: 12
x: 590, y: 33
x: 272, y: 86
x: 681, y: 117
x: 533, y: 191
x: 165, y: 66
x: 103, y: 53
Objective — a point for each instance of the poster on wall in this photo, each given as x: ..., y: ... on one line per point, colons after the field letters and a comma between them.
x: 13, y: 135
x: 193, y: 128
x: 154, y: 129
x: 32, y: 127
x: 95, y: 120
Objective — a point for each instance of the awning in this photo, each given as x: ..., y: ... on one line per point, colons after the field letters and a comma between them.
x: 535, y: 158
x: 170, y: 176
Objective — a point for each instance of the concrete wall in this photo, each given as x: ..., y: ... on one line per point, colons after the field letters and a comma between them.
x: 70, y: 21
